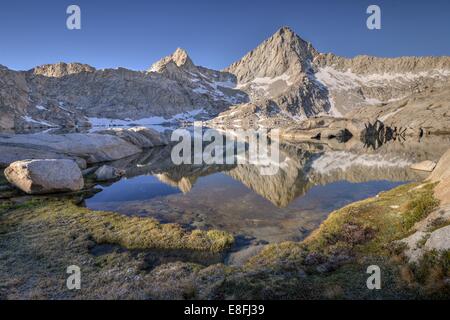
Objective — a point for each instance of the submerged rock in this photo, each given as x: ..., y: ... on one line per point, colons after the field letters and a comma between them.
x: 105, y: 173
x: 239, y: 258
x: 45, y: 176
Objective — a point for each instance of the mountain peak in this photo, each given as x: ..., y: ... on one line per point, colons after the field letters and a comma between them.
x: 180, y: 58
x: 285, y: 30
x: 284, y: 52
x: 61, y: 69
x: 286, y: 34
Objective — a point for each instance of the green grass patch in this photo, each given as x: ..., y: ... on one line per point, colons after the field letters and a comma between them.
x: 112, y: 228
x: 420, y: 207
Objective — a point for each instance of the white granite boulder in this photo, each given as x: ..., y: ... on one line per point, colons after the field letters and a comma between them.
x: 45, y: 176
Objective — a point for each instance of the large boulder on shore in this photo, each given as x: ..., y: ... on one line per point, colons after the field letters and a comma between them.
x: 139, y: 136
x: 45, y: 176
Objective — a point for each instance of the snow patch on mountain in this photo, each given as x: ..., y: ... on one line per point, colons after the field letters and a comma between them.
x: 188, y: 116
x: 264, y: 83
x: 41, y: 108
x: 41, y: 122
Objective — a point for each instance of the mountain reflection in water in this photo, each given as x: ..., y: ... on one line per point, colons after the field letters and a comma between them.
x: 314, y: 180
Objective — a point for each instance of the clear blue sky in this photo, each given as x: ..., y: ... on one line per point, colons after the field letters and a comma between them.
x: 136, y: 33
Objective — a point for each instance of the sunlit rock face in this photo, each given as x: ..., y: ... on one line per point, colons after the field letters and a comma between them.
x: 280, y: 69
x: 422, y: 113
x: 75, y: 94
x: 285, y: 70
x: 441, y: 174
x: 306, y: 83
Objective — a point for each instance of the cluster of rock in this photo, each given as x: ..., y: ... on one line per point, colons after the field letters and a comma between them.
x: 47, y: 163
x: 426, y: 236
x: 426, y: 112
x: 323, y: 128
x: 253, y: 115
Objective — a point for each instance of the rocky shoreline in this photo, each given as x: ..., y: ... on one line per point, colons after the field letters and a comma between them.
x: 41, y: 162
x: 403, y: 230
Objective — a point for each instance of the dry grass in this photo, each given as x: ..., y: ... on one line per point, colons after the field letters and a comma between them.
x: 40, y: 238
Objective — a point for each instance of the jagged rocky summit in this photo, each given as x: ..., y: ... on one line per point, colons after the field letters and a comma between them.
x: 304, y: 83
x: 285, y: 79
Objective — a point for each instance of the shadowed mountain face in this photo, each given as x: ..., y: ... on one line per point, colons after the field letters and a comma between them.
x: 284, y: 69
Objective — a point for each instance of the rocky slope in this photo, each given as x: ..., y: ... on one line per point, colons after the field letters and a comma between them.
x: 285, y: 74
x: 304, y: 83
x: 75, y: 94
x: 83, y: 148
x: 423, y: 112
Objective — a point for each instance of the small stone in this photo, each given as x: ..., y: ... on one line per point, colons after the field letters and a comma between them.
x: 105, y: 173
